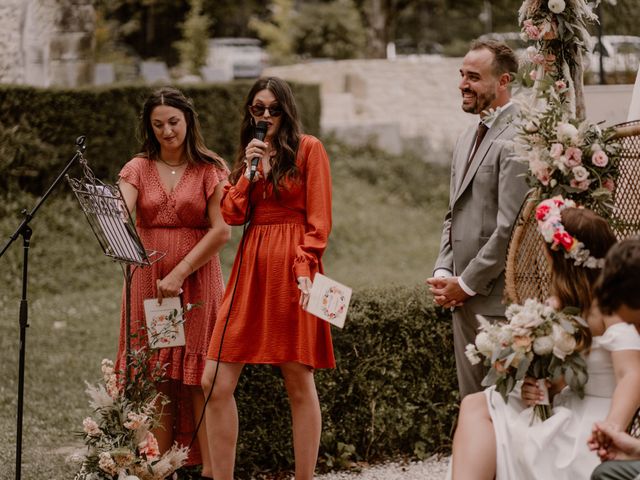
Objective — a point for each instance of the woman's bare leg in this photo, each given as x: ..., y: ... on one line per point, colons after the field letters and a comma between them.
x: 197, y: 400
x: 305, y: 415
x: 221, y: 416
x: 474, y: 442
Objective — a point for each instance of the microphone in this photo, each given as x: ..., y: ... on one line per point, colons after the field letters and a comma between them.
x: 261, y: 132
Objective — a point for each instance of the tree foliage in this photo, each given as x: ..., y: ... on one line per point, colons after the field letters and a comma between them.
x: 330, y: 30
x: 194, y: 45
x: 277, y: 31
x: 150, y: 28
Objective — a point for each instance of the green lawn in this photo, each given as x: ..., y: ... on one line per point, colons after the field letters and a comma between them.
x: 387, y: 218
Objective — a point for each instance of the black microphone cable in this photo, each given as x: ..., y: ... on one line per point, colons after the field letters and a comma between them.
x: 247, y: 215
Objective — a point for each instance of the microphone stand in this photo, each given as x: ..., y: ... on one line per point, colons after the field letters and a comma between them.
x: 25, y: 231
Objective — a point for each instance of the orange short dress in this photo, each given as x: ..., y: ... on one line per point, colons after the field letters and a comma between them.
x: 173, y: 223
x: 285, y: 239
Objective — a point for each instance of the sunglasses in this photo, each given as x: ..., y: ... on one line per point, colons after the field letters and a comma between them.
x: 258, y: 110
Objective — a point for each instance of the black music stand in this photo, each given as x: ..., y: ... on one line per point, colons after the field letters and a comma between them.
x: 26, y: 231
x: 110, y: 220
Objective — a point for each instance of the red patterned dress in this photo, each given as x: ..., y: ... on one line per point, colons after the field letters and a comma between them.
x: 173, y: 223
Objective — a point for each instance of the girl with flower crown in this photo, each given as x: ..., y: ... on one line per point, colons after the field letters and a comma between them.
x: 498, y: 439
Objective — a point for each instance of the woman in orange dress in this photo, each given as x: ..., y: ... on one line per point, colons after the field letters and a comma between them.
x: 175, y: 185
x: 262, y: 320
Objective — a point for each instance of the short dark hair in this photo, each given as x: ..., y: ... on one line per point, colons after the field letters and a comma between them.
x: 504, y: 58
x: 619, y: 281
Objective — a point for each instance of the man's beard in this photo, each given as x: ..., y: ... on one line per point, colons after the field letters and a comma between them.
x: 483, y: 102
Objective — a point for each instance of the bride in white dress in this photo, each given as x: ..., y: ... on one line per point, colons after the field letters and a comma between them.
x: 497, y: 440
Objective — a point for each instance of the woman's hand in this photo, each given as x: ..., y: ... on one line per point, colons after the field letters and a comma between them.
x: 304, y: 284
x: 171, y: 285
x: 257, y: 148
x: 531, y: 393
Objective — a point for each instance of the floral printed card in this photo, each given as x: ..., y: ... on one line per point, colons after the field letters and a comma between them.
x: 164, y: 322
x: 329, y: 300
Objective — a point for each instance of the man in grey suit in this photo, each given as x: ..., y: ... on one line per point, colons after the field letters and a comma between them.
x: 486, y: 193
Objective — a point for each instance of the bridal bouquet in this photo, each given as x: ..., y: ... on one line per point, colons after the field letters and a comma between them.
x: 536, y: 341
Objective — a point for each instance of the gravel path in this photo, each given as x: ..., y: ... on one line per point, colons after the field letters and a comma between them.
x: 433, y: 468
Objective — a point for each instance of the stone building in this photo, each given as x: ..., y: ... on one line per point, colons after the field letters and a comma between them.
x: 47, y: 42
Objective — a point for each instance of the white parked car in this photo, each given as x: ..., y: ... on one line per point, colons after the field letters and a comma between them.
x: 621, y: 53
x: 235, y: 58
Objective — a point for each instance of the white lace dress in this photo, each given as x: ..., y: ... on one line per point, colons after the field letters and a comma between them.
x: 557, y: 448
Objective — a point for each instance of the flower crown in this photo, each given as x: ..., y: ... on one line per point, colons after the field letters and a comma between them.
x: 551, y: 228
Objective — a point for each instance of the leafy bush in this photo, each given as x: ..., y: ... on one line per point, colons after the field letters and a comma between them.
x: 392, y: 394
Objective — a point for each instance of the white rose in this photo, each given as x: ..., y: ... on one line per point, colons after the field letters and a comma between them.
x: 580, y: 173
x: 556, y: 6
x: 564, y: 344
x: 543, y: 345
x: 484, y: 343
x: 566, y: 131
x: 472, y: 354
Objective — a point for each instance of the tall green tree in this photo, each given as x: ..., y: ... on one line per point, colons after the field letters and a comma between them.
x: 147, y: 28
x: 329, y: 30
x: 277, y: 31
x: 194, y: 45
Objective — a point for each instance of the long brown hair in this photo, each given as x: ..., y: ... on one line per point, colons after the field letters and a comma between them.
x: 286, y: 140
x: 195, y: 149
x: 572, y: 284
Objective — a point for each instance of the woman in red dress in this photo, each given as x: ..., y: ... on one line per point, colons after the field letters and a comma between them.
x: 175, y: 186
x: 262, y: 320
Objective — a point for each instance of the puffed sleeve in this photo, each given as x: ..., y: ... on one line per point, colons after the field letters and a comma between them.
x: 317, y: 180
x: 132, y: 171
x: 234, y: 202
x: 212, y: 177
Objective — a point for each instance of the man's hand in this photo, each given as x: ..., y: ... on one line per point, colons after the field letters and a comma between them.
x: 611, y: 443
x: 447, y: 291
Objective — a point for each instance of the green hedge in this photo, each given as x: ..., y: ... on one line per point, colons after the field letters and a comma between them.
x: 392, y: 394
x: 38, y: 127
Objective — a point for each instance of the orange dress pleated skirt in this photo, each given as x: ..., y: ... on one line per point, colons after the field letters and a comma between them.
x: 260, y: 320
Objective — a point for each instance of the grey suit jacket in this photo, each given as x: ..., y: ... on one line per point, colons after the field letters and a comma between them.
x: 483, y: 207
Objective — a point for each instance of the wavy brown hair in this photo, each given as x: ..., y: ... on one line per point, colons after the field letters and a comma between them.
x: 286, y: 140
x: 572, y: 284
x: 195, y: 149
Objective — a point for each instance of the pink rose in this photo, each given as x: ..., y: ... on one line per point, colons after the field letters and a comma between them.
x: 531, y: 30
x: 149, y: 447
x: 599, y: 158
x: 556, y: 150
x: 544, y: 177
x: 538, y: 59
x: 573, y: 157
x: 581, y: 185
x: 560, y: 85
x: 609, y: 184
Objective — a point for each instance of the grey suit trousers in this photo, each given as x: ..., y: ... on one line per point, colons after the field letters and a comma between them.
x: 617, y: 470
x: 465, y: 329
